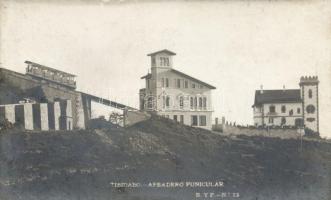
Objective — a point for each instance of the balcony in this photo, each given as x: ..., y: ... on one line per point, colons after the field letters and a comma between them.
x: 272, y: 114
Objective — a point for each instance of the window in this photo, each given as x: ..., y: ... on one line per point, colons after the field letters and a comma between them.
x: 164, y: 102
x: 178, y: 83
x: 298, y: 122
x: 200, y: 102
x: 193, y: 85
x: 148, y: 84
x: 310, y: 93
x: 153, y: 61
x: 167, y: 82
x: 272, y: 109
x: 167, y: 101
x: 150, y: 102
x: 186, y: 84
x: 181, y: 102
x: 203, y: 120
x: 310, y: 109
x: 310, y: 119
x: 164, y: 61
x: 283, y: 122
x: 298, y: 110
x: 205, y: 103
x: 291, y: 112
x: 163, y: 82
x: 194, y: 120
x: 191, y: 102
x: 271, y: 120
x: 195, y: 102
x: 182, y: 119
x: 175, y: 118
x: 283, y: 109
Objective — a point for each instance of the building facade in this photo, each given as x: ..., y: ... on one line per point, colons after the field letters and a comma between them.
x: 295, y: 107
x: 174, y: 94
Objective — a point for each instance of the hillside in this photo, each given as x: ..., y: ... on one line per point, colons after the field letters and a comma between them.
x: 82, y: 164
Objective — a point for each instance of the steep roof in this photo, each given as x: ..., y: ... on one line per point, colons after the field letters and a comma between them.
x: 277, y: 96
x: 148, y: 76
x: 162, y: 51
x: 192, y: 78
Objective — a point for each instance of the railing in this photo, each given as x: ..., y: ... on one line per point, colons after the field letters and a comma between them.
x: 52, y: 77
x: 272, y: 113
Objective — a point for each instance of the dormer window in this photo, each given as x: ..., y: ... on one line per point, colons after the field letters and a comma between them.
x: 164, y: 61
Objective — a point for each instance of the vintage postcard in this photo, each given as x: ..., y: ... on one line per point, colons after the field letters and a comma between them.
x: 165, y: 100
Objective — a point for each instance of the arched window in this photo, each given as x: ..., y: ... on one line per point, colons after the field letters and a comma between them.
x: 310, y: 93
x: 181, y: 102
x: 200, y: 102
x: 205, y: 103
x: 167, y: 101
x: 195, y: 102
x: 191, y: 102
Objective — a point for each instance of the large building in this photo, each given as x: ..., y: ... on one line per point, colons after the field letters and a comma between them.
x: 174, y: 94
x: 53, y: 103
x: 295, y: 107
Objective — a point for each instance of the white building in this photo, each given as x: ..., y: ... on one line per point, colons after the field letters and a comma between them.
x: 295, y: 107
x: 176, y: 95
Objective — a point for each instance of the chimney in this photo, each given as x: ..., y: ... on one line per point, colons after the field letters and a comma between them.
x: 261, y: 89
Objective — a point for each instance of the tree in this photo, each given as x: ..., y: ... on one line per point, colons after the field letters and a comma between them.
x: 116, y: 118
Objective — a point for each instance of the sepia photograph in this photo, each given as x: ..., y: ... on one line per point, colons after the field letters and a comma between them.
x: 165, y: 100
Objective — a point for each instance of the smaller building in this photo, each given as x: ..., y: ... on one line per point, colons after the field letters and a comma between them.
x: 293, y: 108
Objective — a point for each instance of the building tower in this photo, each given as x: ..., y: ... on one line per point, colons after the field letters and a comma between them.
x: 310, y: 107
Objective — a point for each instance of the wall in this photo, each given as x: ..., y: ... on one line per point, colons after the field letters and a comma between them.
x: 280, y: 133
x: 187, y: 117
x: 37, y: 116
x: 51, y: 90
x: 44, y: 116
x: 310, y: 101
x: 133, y: 117
x: 80, y: 116
x: 290, y: 120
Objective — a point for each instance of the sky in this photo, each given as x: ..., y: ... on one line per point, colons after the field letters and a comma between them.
x: 234, y: 45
